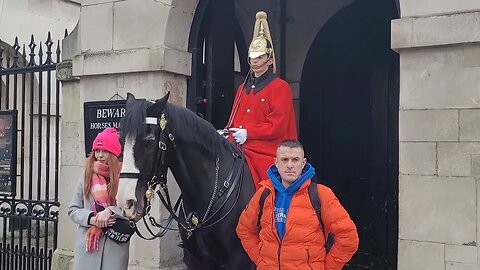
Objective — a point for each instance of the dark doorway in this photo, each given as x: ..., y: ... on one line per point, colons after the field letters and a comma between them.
x: 214, y: 39
x: 348, y: 109
x: 349, y: 123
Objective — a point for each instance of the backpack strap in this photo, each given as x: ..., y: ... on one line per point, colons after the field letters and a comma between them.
x: 261, y: 202
x: 317, y: 206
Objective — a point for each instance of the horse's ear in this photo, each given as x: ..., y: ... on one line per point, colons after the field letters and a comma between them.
x: 130, y: 96
x: 158, y: 107
x: 163, y: 99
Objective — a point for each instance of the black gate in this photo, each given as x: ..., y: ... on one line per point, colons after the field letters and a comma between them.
x: 29, y: 210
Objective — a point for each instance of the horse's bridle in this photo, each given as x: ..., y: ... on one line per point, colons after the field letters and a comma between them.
x: 158, y: 178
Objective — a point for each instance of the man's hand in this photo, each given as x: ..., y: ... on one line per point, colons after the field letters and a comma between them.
x: 239, y: 135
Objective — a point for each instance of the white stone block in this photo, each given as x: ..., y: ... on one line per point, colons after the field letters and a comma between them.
x: 462, y: 266
x: 96, y: 27
x: 72, y: 112
x: 413, y: 255
x: 471, y: 55
x: 41, y: 7
x: 161, y: 82
x: 96, y: 2
x: 478, y: 221
x: 97, y: 88
x: 179, y: 23
x: 72, y: 145
x: 402, y: 37
x: 127, y: 61
x: 448, y: 29
x: 416, y: 8
x: 476, y: 166
x: 455, y: 159
x: 69, y: 177
x: 131, y: 32
x: 436, y: 78
x: 462, y: 254
x: 438, y: 209
x: 175, y: 61
x: 418, y: 158
x: 61, y: 259
x: 428, y: 125
x: 470, y: 125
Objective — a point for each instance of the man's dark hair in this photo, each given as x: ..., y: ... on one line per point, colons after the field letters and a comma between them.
x: 290, y: 143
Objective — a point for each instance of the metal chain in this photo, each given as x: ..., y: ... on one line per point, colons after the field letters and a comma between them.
x: 217, y: 168
x: 183, y: 209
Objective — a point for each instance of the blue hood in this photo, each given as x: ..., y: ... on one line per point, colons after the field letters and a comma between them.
x: 284, y: 195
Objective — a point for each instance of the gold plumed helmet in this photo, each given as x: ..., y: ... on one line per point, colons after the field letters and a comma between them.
x: 262, y: 40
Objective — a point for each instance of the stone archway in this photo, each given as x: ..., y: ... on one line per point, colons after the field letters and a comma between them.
x: 178, y: 24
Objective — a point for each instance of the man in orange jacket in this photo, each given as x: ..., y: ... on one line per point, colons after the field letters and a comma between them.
x: 289, y: 235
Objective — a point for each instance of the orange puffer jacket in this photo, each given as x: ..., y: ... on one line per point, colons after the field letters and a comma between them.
x: 303, y: 245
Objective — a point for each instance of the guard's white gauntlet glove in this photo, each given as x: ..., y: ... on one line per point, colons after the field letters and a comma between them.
x: 239, y: 135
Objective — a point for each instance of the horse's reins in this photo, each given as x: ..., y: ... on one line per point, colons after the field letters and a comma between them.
x: 159, y: 178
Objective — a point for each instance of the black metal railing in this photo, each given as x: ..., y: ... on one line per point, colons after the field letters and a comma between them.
x: 29, y: 219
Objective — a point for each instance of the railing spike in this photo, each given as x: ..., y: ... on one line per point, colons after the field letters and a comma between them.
x: 16, y: 53
x: 48, y: 52
x: 58, y: 51
x: 32, y: 46
x: 40, y: 54
x: 24, y: 58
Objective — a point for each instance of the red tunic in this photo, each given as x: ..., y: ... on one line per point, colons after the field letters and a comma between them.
x: 269, y: 118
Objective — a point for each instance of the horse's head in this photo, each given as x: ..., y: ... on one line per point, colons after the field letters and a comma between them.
x: 146, y: 157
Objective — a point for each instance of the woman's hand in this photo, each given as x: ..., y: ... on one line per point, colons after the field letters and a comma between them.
x: 104, y: 219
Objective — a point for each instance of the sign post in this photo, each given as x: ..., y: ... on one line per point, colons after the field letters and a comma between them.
x: 99, y: 115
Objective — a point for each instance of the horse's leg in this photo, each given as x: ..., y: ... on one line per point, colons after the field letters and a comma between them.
x: 190, y: 259
x: 191, y: 262
x: 239, y: 260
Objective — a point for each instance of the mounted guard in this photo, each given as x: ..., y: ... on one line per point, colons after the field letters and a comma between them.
x: 262, y: 114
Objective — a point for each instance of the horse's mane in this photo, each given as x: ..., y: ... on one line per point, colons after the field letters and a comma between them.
x: 187, y: 127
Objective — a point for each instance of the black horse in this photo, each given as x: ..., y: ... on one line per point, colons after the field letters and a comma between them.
x: 211, y: 172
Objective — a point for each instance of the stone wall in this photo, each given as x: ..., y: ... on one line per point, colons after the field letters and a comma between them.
x: 439, y: 185
x: 120, y: 47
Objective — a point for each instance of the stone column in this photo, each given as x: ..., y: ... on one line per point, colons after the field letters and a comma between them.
x: 439, y: 213
x: 71, y: 145
x: 119, y: 48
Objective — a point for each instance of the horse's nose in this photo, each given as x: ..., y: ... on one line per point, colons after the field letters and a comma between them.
x: 131, y: 203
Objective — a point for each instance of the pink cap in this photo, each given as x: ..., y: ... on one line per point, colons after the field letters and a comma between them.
x: 108, y: 140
